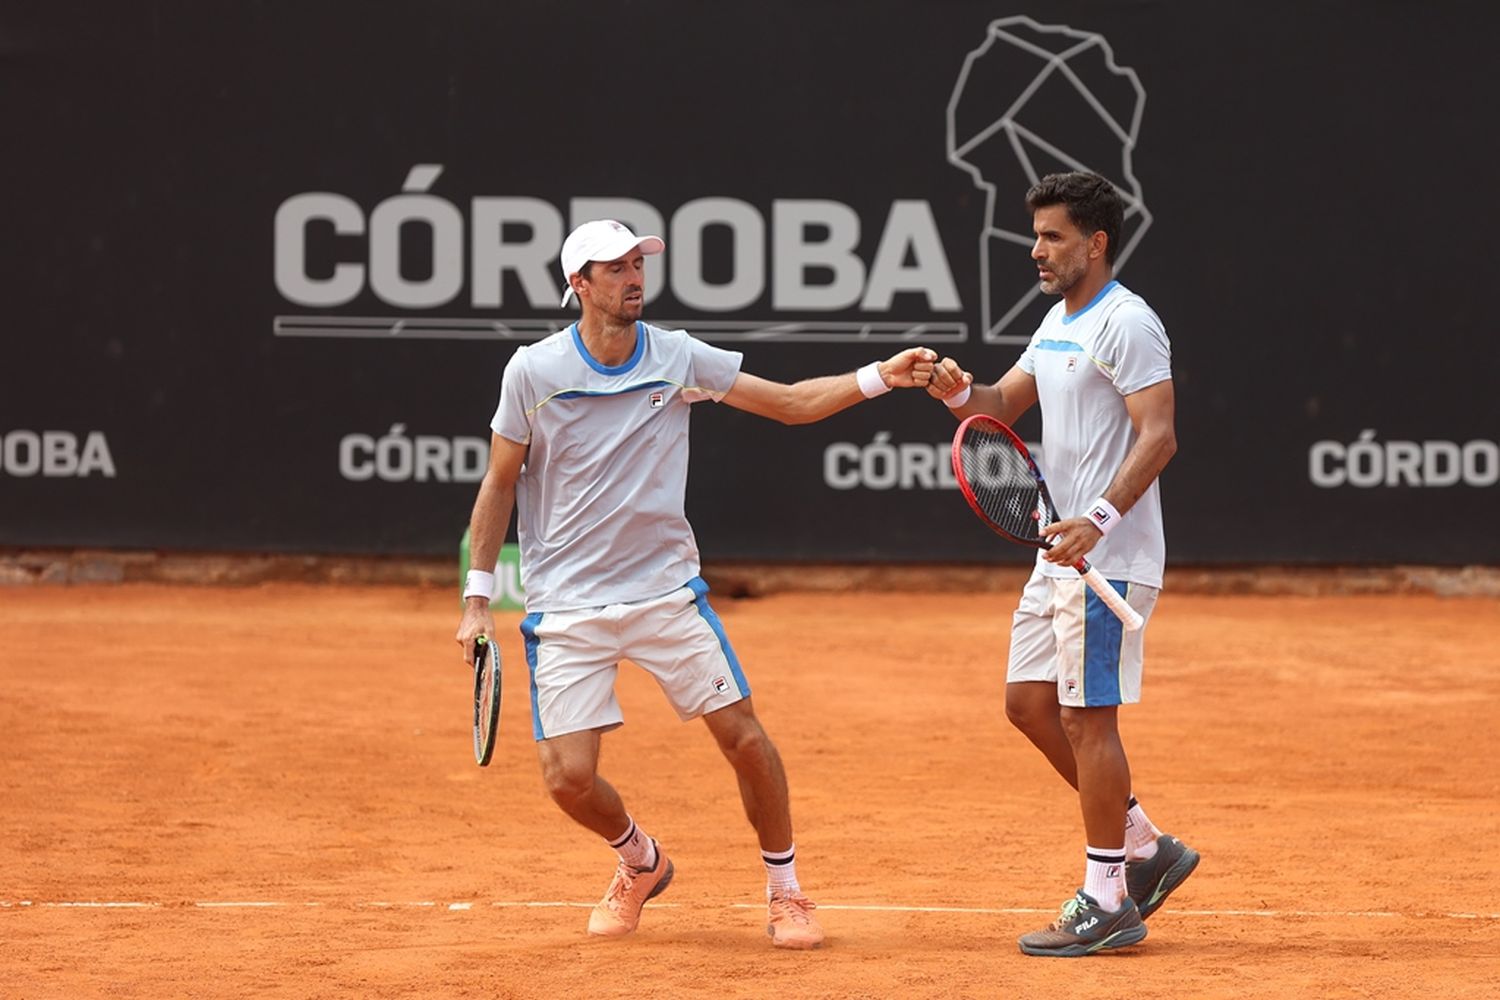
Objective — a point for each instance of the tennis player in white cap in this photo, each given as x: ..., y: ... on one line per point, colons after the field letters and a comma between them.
x: 590, y: 446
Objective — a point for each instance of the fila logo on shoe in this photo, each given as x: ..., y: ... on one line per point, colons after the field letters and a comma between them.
x: 1080, y: 928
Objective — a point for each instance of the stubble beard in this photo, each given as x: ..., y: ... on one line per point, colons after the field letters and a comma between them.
x: 628, y: 313
x: 1062, y: 281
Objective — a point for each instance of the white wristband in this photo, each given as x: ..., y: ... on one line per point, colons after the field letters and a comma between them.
x: 1103, y: 515
x: 959, y: 398
x: 870, y: 382
x: 479, y: 584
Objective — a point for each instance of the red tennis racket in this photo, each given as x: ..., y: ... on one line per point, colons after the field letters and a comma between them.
x: 1002, y: 483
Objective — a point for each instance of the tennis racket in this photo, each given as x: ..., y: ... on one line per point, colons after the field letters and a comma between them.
x: 1002, y: 483
x: 486, y: 699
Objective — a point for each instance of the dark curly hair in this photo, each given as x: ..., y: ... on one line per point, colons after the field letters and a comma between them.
x: 1093, y: 204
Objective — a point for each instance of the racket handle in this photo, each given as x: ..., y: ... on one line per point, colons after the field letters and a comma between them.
x: 1129, y: 617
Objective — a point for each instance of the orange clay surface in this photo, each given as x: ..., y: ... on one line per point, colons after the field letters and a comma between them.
x: 270, y: 791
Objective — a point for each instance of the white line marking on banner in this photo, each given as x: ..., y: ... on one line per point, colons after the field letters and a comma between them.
x: 761, y: 330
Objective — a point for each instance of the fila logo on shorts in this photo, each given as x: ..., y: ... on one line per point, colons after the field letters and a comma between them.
x: 656, y: 400
x: 721, y: 684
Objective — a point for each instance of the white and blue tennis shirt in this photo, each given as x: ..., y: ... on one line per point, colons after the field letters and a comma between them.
x: 600, y: 500
x: 1084, y: 365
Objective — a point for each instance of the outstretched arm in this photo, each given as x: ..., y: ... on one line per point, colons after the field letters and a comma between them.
x: 813, y: 399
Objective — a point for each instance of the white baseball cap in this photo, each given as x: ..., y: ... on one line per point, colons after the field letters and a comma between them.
x: 602, y: 239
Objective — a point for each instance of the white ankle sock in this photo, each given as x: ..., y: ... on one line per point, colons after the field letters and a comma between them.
x: 635, y: 848
x: 1140, y: 833
x: 781, y: 871
x: 1104, y: 878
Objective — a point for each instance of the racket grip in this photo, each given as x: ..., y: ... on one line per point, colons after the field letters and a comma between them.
x: 1129, y: 617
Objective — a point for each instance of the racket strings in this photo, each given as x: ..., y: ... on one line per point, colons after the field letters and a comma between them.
x: 1002, y: 483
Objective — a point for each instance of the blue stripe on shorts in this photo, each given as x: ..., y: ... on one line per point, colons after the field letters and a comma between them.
x: 528, y: 633
x: 700, y: 598
x: 1103, y: 633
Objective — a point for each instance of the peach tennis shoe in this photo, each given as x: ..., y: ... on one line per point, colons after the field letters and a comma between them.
x: 790, y: 921
x: 619, y: 912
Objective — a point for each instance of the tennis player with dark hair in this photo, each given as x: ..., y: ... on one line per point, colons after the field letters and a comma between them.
x: 1100, y: 366
x: 590, y: 446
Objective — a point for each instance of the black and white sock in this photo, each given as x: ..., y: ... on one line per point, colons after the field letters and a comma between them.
x: 1105, y: 876
x: 1140, y: 833
x: 781, y: 871
x: 635, y: 848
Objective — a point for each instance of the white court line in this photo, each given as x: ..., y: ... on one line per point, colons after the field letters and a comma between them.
x: 585, y: 906
x: 83, y: 905
x: 464, y: 905
x: 873, y: 908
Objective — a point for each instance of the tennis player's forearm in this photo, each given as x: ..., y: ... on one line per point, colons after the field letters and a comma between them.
x: 487, y: 524
x: 1145, y: 461
x: 991, y: 401
x: 1008, y: 408
x: 814, y: 399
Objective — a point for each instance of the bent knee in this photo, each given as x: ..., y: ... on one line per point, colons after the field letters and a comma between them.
x: 568, y: 784
x: 1028, y: 713
x: 747, y: 745
x: 1084, y: 725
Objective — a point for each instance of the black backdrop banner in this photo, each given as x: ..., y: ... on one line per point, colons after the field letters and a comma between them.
x: 266, y: 261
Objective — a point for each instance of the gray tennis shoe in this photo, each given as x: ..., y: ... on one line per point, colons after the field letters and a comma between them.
x: 1083, y: 928
x: 1150, y: 882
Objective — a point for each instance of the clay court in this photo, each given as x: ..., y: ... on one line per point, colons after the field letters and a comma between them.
x: 270, y: 791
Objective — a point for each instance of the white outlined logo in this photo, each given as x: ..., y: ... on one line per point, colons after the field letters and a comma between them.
x: 1034, y: 99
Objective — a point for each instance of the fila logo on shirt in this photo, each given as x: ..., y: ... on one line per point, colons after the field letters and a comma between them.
x: 1072, y: 364
x: 656, y: 400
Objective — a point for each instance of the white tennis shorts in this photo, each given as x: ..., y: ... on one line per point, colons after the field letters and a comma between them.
x: 1063, y: 634
x: 574, y: 657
